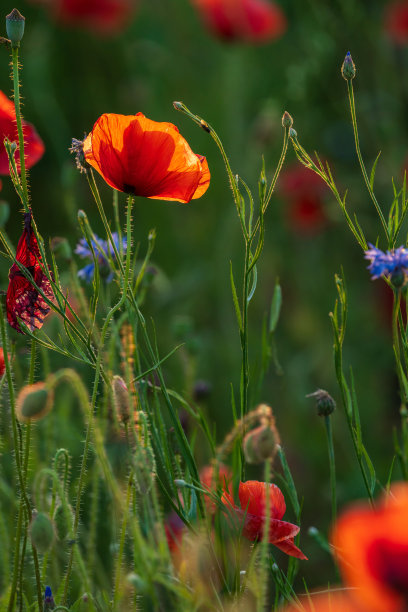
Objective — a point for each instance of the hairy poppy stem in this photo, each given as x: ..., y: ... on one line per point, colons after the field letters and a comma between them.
x: 16, y: 85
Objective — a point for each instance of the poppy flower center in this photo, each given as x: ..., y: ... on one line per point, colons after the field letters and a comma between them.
x: 388, y: 563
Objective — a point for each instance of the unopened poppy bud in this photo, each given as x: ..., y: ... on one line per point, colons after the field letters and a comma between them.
x: 121, y: 398
x: 325, y: 403
x: 348, y: 69
x: 49, y: 603
x: 260, y: 444
x: 287, y: 120
x: 34, y: 402
x: 15, y: 23
x: 63, y: 521
x: 61, y: 248
x: 4, y: 212
x: 42, y: 532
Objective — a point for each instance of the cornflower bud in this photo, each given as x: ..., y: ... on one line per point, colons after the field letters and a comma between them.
x: 42, y: 531
x: 15, y: 23
x: 324, y: 402
x: 348, y: 69
x: 49, y: 603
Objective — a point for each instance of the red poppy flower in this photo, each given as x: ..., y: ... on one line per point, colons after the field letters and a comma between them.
x: 304, y: 191
x: 372, y: 549
x: 252, y: 498
x: 102, y: 16
x: 396, y: 22
x: 33, y: 145
x: 253, y: 21
x: 23, y: 300
x: 145, y: 158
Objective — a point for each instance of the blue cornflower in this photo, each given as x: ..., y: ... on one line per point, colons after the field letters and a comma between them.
x: 103, y: 249
x: 49, y: 603
x: 393, y: 264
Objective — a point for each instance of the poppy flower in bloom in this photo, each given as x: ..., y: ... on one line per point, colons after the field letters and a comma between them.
x: 23, y: 301
x: 101, y: 16
x: 371, y: 546
x: 143, y: 157
x: 396, y: 22
x: 252, y: 21
x: 252, y: 500
x: 33, y: 145
x: 304, y: 191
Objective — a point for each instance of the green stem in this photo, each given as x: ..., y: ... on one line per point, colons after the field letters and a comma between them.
x: 330, y: 446
x: 397, y: 351
x: 118, y: 563
x: 360, y: 159
x: 263, y: 562
x: 16, y: 85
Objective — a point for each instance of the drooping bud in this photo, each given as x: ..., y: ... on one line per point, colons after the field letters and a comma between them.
x: 15, y: 23
x: 61, y: 248
x: 42, y: 531
x: 348, y: 69
x: 121, y: 398
x: 49, y: 603
x: 261, y: 444
x: 287, y: 120
x: 63, y: 521
x: 324, y: 402
x: 34, y: 402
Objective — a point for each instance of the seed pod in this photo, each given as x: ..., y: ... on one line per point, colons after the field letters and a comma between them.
x: 15, y: 23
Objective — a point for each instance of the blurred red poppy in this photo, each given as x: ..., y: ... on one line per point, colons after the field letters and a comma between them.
x: 33, y: 145
x: 215, y: 478
x: 252, y: 499
x: 372, y: 549
x: 145, y: 158
x: 104, y: 17
x: 2, y: 364
x: 304, y: 191
x: 174, y: 528
x: 396, y: 22
x: 253, y: 21
x: 23, y: 301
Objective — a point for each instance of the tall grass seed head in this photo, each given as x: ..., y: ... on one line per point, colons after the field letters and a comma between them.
x: 42, y: 532
x: 348, y: 69
x: 324, y: 402
x: 34, y: 401
x: 15, y: 23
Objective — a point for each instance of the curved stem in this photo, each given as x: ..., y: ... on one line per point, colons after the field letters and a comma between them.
x: 16, y: 85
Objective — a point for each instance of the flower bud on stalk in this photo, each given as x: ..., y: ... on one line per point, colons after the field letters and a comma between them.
x: 35, y: 401
x: 15, y: 23
x: 287, y: 120
x: 42, y: 532
x: 348, y: 69
x: 324, y: 402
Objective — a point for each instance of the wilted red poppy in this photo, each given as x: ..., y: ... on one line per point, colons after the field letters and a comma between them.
x: 304, y: 191
x: 396, y: 22
x: 254, y: 21
x: 145, y: 158
x: 102, y: 16
x: 23, y: 301
x: 252, y: 498
x: 372, y: 549
x: 33, y: 145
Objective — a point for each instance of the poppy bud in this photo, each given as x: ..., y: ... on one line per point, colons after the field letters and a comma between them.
x: 324, y: 402
x: 260, y: 444
x: 348, y: 69
x: 62, y: 522
x: 61, y: 248
x: 42, y: 531
x: 287, y: 120
x: 34, y: 402
x: 15, y: 23
x: 4, y: 212
x: 121, y: 399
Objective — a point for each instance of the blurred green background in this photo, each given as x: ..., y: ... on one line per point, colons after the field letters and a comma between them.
x: 72, y: 75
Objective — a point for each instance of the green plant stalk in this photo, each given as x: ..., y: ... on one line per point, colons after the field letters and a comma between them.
x: 21, y: 480
x: 118, y: 562
x: 332, y: 465
x: 397, y: 351
x: 360, y: 158
x: 94, y: 395
x: 263, y: 561
x: 16, y: 85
